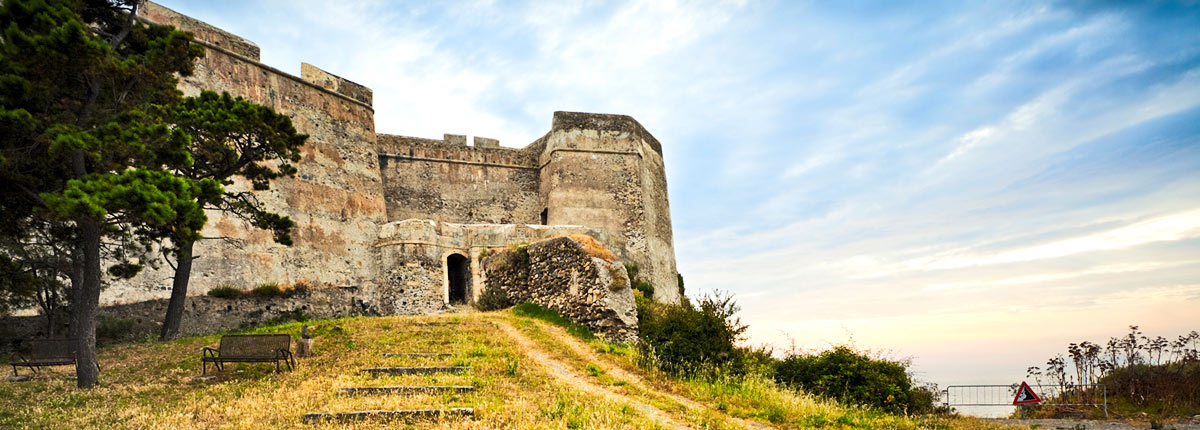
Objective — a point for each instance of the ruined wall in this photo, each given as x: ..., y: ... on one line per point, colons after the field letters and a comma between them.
x: 412, y: 255
x: 559, y: 275
x: 606, y: 171
x: 446, y: 180
x: 205, y: 315
x: 336, y: 199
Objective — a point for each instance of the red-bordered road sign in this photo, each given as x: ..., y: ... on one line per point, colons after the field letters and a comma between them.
x: 1026, y: 395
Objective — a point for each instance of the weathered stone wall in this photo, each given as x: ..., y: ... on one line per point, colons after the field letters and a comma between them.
x: 446, y: 180
x: 206, y: 315
x: 336, y: 199
x: 559, y: 275
x: 413, y: 256
x: 606, y: 171
x: 600, y: 175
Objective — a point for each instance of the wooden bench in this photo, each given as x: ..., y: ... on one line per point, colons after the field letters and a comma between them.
x: 46, y: 352
x: 250, y: 348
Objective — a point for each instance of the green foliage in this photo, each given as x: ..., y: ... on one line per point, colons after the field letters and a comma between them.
x: 267, y: 290
x: 692, y: 340
x: 112, y: 329
x: 225, y: 292
x: 287, y: 316
x: 532, y: 310
x: 17, y: 285
x: 493, y: 299
x: 854, y: 377
x: 644, y: 287
x: 679, y: 283
x: 80, y: 89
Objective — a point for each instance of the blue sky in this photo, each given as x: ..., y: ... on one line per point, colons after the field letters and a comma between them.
x: 970, y: 184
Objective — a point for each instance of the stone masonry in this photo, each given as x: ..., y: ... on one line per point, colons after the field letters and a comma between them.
x: 401, y: 220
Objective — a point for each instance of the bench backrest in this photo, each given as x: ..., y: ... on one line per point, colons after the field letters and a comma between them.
x: 49, y: 349
x: 254, y: 345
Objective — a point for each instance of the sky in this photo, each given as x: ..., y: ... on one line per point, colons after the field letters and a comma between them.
x: 970, y: 185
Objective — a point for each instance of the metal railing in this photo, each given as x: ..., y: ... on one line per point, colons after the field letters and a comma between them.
x: 1090, y: 395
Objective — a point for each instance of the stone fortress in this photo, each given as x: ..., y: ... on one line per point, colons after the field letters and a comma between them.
x: 403, y: 221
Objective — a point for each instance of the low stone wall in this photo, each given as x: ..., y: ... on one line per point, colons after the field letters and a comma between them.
x: 205, y: 315
x: 559, y: 275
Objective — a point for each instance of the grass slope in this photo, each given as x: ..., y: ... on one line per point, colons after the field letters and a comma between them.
x: 149, y: 385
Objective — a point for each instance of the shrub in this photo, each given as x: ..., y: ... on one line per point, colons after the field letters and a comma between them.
x: 854, y: 377
x: 267, y: 290
x: 225, y: 292
x: 691, y: 340
x: 110, y: 328
x: 646, y: 288
x: 492, y: 299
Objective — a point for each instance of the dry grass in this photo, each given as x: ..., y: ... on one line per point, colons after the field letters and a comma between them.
x: 149, y: 385
x: 593, y: 247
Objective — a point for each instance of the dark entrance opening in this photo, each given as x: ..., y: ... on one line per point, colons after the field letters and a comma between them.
x: 458, y: 268
x: 545, y: 214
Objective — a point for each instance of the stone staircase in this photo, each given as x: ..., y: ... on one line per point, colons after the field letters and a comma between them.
x: 390, y: 371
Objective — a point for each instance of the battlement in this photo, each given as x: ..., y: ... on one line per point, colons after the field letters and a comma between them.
x: 566, y: 121
x: 335, y: 83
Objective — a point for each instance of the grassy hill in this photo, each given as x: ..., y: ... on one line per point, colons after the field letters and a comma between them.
x: 526, y: 373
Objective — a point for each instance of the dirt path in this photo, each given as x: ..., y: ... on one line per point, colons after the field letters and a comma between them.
x: 575, y: 380
x: 588, y: 353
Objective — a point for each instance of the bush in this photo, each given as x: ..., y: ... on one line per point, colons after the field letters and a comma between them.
x: 267, y: 290
x: 110, y: 328
x: 493, y: 299
x: 646, y: 288
x: 225, y: 292
x: 854, y: 377
x: 692, y: 340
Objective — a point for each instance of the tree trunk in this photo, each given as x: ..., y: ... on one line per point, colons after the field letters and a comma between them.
x: 77, y: 266
x: 183, y: 272
x: 87, y: 373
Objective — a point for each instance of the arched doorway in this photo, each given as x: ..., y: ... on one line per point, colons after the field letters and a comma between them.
x: 458, y: 271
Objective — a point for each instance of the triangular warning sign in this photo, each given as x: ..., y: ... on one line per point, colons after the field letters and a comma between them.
x: 1026, y: 395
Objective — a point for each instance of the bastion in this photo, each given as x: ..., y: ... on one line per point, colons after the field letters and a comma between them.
x: 403, y: 222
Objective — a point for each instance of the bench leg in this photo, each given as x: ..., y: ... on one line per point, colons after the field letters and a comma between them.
x: 14, y: 370
x: 204, y: 364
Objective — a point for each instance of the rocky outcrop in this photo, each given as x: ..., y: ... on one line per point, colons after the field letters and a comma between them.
x: 560, y: 275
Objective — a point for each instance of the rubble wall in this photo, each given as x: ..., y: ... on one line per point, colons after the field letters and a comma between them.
x: 558, y: 274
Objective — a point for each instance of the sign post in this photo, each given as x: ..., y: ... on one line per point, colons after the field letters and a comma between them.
x: 1025, y: 395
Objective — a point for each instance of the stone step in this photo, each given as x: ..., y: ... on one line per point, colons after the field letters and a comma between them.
x: 417, y: 354
x: 406, y: 413
x: 405, y: 389
x: 415, y: 370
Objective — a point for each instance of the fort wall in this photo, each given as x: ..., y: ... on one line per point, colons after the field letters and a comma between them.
x: 446, y: 180
x: 606, y: 171
x: 336, y: 199
x: 383, y: 213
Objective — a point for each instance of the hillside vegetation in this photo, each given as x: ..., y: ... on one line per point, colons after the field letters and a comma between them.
x: 528, y: 373
x: 1139, y: 376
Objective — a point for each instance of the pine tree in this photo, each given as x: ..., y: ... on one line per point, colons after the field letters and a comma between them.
x: 229, y: 137
x: 81, y: 85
